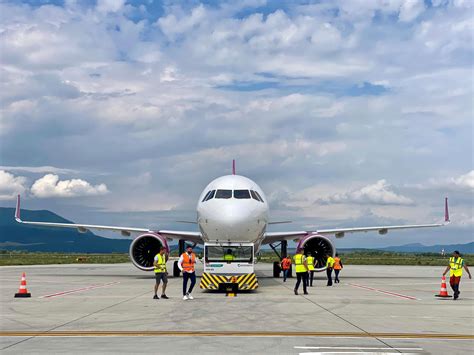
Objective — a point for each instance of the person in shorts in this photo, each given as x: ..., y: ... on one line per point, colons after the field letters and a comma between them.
x: 160, y: 272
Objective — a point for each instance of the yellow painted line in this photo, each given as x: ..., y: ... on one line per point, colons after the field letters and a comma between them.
x: 232, y: 334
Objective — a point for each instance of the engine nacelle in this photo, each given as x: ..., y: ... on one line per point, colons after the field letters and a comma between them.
x: 318, y: 246
x: 144, y: 248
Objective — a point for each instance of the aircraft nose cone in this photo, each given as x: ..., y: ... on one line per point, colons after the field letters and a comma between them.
x: 231, y: 216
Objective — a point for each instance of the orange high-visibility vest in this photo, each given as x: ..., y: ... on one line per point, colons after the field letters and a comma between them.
x: 286, y: 263
x: 188, y: 262
x: 337, y: 263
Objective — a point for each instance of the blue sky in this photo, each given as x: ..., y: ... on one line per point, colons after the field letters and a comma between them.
x: 347, y: 113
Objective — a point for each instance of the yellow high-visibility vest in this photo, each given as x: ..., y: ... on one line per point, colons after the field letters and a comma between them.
x: 299, y: 262
x: 228, y: 257
x: 456, y: 265
x: 161, y: 264
x: 330, y: 262
x: 310, y: 261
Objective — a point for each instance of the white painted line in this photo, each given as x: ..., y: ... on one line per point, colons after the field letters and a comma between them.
x: 63, y: 293
x: 352, y: 348
x: 354, y: 353
x: 394, y: 294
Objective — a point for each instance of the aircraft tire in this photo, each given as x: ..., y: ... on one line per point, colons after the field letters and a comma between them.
x: 276, y: 269
x: 176, y: 270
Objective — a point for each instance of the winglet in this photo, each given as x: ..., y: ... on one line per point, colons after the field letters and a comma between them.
x: 17, y: 210
x: 233, y: 166
x: 446, y: 211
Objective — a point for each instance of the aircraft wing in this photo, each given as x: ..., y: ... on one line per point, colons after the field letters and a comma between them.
x: 124, y: 231
x: 340, y: 232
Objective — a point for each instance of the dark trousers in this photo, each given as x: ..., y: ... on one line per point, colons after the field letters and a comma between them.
x: 336, y: 274
x: 188, y: 276
x: 285, y: 274
x: 310, y: 278
x: 454, y: 282
x: 329, y: 274
x: 301, y: 276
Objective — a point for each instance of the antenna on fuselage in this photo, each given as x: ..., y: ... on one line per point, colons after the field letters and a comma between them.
x: 233, y: 166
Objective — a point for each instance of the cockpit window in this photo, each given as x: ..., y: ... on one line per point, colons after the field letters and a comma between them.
x: 259, y: 197
x: 209, y: 195
x: 224, y: 194
x: 256, y: 196
x: 240, y: 194
x: 206, y: 196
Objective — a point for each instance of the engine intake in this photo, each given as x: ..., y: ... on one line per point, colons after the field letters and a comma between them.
x: 318, y: 246
x: 144, y: 248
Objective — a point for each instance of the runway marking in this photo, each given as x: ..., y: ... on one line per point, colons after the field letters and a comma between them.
x: 63, y: 293
x: 169, y: 333
x: 352, y: 348
x: 394, y: 294
x: 353, y: 353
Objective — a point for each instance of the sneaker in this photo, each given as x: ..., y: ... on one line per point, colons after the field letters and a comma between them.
x: 185, y: 298
x: 296, y: 293
x: 306, y: 293
x: 155, y: 297
x: 190, y: 296
x: 165, y: 297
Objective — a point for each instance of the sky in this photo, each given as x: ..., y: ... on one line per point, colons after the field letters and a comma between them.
x: 346, y: 113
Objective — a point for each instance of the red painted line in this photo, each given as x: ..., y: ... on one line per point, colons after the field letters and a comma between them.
x: 63, y: 293
x: 386, y: 292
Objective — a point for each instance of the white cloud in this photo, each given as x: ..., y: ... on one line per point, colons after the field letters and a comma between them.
x: 110, y: 5
x: 464, y: 182
x: 39, y: 169
x: 378, y: 193
x: 411, y: 9
x: 11, y: 185
x: 50, y: 186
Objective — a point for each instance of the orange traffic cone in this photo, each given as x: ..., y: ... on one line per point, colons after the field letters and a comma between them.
x: 443, y: 292
x: 23, y: 292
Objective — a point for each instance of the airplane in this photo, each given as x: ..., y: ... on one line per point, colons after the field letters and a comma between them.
x: 231, y: 209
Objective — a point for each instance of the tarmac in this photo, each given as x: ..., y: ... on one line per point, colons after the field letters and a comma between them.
x: 109, y: 309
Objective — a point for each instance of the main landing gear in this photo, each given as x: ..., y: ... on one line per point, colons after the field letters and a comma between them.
x: 277, y: 264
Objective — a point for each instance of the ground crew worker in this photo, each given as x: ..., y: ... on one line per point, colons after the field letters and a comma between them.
x: 337, y: 267
x: 285, y: 266
x: 329, y: 267
x: 228, y: 256
x: 456, y: 263
x: 301, y: 267
x: 310, y: 261
x: 186, y: 264
x: 161, y: 274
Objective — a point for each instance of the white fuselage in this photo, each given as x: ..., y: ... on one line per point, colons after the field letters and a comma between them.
x: 236, y: 211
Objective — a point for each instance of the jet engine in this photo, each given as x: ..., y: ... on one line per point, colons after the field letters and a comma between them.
x: 318, y: 246
x: 144, y: 248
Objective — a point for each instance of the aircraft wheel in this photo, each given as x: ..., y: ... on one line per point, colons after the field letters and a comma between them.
x: 276, y: 269
x: 176, y: 270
